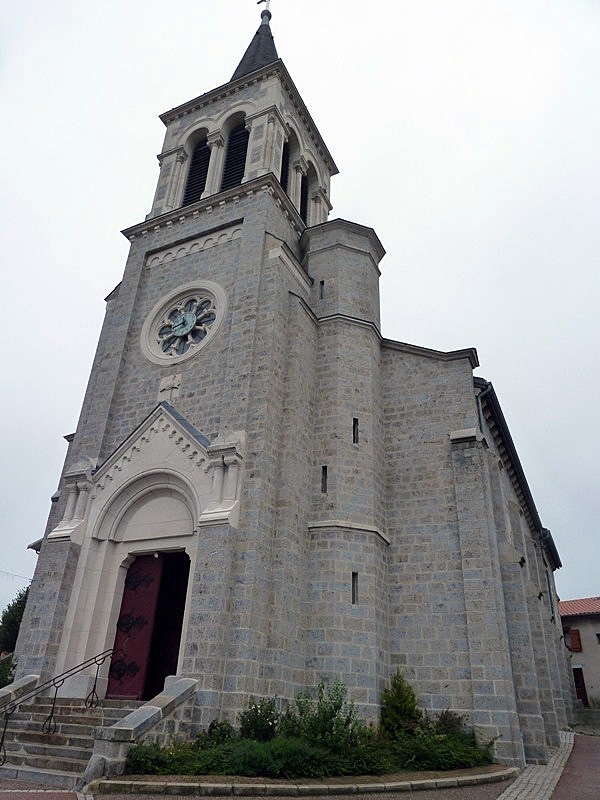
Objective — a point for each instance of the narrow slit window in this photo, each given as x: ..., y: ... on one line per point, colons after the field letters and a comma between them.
x: 354, y: 588
x: 355, y: 430
x: 321, y: 290
x: 323, y: 480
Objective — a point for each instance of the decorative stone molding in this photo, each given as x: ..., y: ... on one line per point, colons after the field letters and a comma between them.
x: 301, y: 165
x: 223, y: 467
x: 183, y: 249
x: 168, y: 391
x: 282, y: 253
x: 216, y: 144
x: 163, y: 424
x: 465, y: 435
x: 351, y: 526
x: 166, y: 453
x: 77, y: 487
x: 263, y: 183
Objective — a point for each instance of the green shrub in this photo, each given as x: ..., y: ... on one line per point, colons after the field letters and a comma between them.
x: 439, y: 752
x: 320, y: 737
x: 449, y: 722
x: 252, y: 758
x: 7, y: 671
x: 147, y: 759
x: 218, y: 733
x: 297, y: 758
x: 260, y: 721
x: 399, y: 710
x: 330, y: 721
x: 10, y: 621
x: 282, y: 757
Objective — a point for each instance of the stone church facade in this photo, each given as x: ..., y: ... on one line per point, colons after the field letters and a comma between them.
x: 262, y: 490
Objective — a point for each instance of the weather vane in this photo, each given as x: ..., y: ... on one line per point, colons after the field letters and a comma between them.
x: 267, y: 2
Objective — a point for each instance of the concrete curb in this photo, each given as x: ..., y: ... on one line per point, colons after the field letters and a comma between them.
x: 290, y: 789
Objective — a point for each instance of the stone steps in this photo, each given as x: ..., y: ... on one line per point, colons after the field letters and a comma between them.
x: 60, y: 758
x: 46, y: 777
x: 60, y: 739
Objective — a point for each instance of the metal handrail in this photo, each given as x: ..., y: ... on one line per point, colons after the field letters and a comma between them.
x: 49, y: 725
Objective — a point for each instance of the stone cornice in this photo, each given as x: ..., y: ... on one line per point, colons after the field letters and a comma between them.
x: 343, y: 246
x: 363, y: 323
x: 264, y: 183
x: 494, y: 416
x: 264, y: 112
x: 351, y: 526
x: 190, y: 244
x: 277, y: 69
x: 353, y: 227
x: 440, y: 355
x: 281, y: 251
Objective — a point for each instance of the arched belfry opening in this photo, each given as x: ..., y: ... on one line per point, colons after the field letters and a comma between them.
x: 235, y: 156
x: 284, y: 178
x: 198, y: 171
x: 309, y: 186
x: 289, y: 157
x: 304, y: 199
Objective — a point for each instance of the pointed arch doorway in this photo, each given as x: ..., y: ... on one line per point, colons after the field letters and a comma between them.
x: 149, y: 626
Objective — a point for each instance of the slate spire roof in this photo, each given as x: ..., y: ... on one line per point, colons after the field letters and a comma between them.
x: 261, y: 50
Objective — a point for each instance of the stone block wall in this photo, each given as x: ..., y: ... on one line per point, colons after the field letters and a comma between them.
x: 424, y: 400
x: 41, y: 629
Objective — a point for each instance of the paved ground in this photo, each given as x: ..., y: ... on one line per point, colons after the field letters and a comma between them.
x: 580, y: 779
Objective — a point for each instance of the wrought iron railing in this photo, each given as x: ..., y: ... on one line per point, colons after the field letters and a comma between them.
x: 49, y: 726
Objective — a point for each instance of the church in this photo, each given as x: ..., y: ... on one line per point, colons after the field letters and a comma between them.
x: 264, y: 491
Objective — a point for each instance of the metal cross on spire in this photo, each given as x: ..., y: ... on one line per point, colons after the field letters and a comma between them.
x: 267, y: 3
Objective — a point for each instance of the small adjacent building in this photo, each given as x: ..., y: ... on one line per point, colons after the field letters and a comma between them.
x: 581, y: 629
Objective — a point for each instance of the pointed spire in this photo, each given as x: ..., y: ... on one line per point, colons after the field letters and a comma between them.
x: 261, y: 50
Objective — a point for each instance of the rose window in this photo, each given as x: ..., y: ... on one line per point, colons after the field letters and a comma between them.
x: 185, y: 324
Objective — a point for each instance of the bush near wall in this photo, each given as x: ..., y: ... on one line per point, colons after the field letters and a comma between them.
x: 319, y: 736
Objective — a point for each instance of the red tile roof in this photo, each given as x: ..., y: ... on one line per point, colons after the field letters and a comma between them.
x: 578, y: 608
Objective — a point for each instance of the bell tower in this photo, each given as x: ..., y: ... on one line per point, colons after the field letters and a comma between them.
x: 198, y: 439
x: 255, y: 125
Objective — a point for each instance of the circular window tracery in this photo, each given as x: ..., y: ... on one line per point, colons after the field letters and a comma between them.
x: 182, y: 323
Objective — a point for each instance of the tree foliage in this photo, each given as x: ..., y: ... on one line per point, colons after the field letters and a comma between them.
x: 400, y: 712
x: 10, y: 621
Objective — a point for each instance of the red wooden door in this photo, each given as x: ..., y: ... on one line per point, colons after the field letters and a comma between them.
x: 580, y: 689
x: 131, y: 650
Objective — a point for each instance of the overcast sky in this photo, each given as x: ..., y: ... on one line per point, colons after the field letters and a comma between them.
x: 466, y: 133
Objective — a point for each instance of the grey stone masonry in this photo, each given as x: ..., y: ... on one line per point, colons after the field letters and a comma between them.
x: 494, y: 703
x: 42, y: 624
x: 345, y: 503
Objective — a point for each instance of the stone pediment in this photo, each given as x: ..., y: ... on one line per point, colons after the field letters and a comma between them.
x: 165, y: 452
x: 166, y: 425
